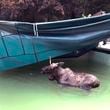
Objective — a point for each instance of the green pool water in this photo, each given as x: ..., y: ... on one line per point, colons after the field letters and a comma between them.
x: 27, y: 89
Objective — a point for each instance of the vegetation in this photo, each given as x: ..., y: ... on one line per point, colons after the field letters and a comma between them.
x: 49, y: 10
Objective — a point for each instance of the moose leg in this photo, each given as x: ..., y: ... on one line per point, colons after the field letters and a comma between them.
x: 51, y: 77
x: 85, y: 87
x: 64, y: 80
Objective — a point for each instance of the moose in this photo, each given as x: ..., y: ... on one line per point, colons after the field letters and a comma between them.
x: 67, y: 77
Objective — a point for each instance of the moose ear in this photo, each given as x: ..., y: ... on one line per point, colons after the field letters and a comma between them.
x: 60, y: 63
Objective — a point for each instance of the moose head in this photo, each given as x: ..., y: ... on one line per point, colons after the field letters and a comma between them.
x: 49, y: 69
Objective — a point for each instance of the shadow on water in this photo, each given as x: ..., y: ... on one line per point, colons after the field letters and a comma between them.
x: 27, y: 89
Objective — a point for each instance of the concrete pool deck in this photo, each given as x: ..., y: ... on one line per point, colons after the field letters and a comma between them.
x: 106, y: 46
x: 102, y: 54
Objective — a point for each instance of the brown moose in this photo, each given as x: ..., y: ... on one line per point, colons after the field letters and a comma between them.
x: 65, y: 76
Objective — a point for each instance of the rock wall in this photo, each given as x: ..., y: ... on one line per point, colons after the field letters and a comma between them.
x: 49, y: 10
